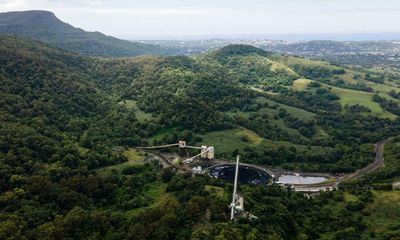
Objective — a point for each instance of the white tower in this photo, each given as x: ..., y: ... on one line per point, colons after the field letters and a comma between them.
x: 210, y: 154
x: 203, y: 152
x: 234, y: 195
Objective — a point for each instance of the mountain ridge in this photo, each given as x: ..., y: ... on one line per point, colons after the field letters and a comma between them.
x: 46, y: 27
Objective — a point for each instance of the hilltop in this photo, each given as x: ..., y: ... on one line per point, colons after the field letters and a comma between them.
x: 46, y: 27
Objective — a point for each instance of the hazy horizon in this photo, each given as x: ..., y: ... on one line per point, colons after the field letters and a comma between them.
x: 194, y: 19
x: 277, y: 37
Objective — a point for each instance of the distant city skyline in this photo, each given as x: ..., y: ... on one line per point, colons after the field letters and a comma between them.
x: 174, y: 19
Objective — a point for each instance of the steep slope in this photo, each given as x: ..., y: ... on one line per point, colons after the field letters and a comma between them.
x: 238, y: 88
x: 49, y: 102
x: 249, y: 65
x: 373, y: 91
x: 62, y: 116
x: 46, y: 27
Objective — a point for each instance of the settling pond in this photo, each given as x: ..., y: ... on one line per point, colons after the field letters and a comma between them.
x: 297, y: 179
x: 247, y: 174
x: 253, y: 175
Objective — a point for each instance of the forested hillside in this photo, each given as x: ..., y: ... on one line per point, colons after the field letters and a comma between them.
x: 46, y: 27
x: 62, y: 115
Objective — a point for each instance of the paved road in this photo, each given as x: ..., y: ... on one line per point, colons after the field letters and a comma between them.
x: 377, y: 163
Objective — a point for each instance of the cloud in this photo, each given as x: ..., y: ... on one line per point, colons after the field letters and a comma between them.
x: 13, y: 5
x: 94, y: 2
x: 143, y: 12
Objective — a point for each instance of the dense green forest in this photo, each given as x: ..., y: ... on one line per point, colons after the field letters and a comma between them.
x: 62, y: 115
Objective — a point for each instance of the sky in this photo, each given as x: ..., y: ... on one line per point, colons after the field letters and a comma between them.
x: 166, y: 19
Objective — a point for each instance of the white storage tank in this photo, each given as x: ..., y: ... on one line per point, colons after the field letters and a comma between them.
x: 210, y: 153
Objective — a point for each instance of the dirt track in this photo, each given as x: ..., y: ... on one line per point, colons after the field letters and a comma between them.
x: 377, y: 163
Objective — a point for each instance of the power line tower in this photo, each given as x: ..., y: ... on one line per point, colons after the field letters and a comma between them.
x: 235, y: 205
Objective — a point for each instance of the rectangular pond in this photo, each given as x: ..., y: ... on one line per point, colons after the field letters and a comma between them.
x: 298, y: 179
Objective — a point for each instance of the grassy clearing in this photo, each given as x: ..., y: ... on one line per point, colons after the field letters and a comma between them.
x: 156, y: 193
x: 350, y: 77
x: 347, y: 96
x: 290, y: 60
x: 134, y: 157
x: 277, y: 66
x: 348, y: 197
x: 160, y: 135
x: 297, y: 112
x: 291, y: 131
x: 214, y: 190
x: 383, y: 90
x: 380, y: 216
x: 383, y: 214
x: 156, y: 190
x: 263, y: 91
x: 350, y: 97
x: 301, y: 84
x: 140, y: 115
x: 226, y: 141
x: 271, y: 112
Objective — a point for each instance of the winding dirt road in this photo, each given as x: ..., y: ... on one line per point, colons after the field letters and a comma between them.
x: 377, y: 163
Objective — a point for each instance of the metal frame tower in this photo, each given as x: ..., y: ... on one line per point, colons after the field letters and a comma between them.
x: 234, y: 195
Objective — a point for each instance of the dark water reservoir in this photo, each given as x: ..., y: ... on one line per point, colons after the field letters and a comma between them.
x: 247, y: 174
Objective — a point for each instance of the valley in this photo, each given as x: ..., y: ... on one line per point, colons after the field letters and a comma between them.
x: 81, y: 112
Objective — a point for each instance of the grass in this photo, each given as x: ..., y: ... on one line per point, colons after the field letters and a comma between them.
x: 348, y: 197
x: 349, y: 97
x: 348, y: 77
x: 277, y: 66
x: 214, y: 190
x: 273, y: 109
x: 290, y: 60
x: 160, y: 135
x: 156, y: 192
x: 134, y: 157
x: 297, y: 112
x: 383, y: 214
x: 301, y: 84
x: 383, y: 90
x: 352, y: 97
x: 140, y: 115
x: 226, y: 141
x: 263, y: 91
